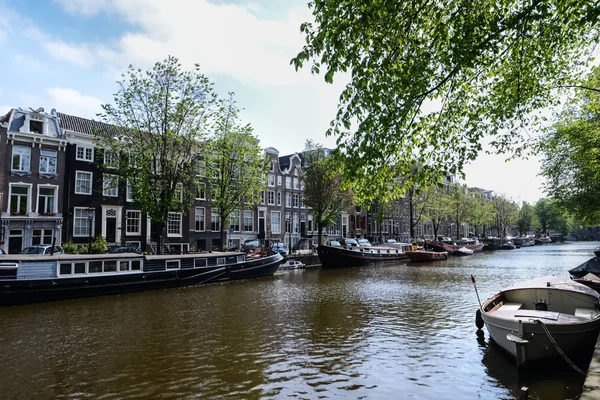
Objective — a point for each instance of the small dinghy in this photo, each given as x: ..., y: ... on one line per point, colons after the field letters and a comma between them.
x: 463, y: 251
x: 291, y: 264
x: 421, y: 255
x: 532, y: 320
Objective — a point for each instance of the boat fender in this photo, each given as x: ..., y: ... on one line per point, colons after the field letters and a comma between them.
x: 478, y: 320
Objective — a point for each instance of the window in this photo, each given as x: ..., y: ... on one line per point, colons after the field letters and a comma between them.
x: 42, y: 236
x: 262, y: 197
x: 174, y: 224
x: 178, y: 192
x: 82, y: 221
x: 288, y: 182
x: 200, y: 218
x: 46, y: 200
x: 271, y: 182
x: 296, y: 202
x: 271, y: 197
x: 133, y: 222
x: 215, y: 221
x: 36, y: 125
x: 21, y: 158
x: 295, y: 171
x: 272, y: 166
x: 248, y: 221
x: 201, y: 195
x: 275, y: 222
x: 288, y: 199
x: 279, y: 180
x: 301, y: 201
x: 83, y: 182
x: 129, y: 192
x: 110, y: 185
x: 19, y: 199
x: 296, y: 183
x: 235, y: 220
x: 278, y: 198
x: 111, y: 158
x: 84, y: 153
x: 47, y: 161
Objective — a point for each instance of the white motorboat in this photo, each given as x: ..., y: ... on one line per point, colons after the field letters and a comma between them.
x: 463, y: 251
x: 291, y: 264
x: 532, y: 318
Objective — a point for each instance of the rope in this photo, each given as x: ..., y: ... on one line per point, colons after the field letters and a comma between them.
x: 575, y: 367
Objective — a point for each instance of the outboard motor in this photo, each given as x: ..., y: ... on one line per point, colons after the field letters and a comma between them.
x: 541, y: 305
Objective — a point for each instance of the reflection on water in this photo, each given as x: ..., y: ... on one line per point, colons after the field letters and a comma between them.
x: 396, y: 331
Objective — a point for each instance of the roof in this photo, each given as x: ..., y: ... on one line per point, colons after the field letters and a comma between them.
x: 16, y: 119
x: 86, y: 126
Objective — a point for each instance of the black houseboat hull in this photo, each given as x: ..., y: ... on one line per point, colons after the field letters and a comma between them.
x: 343, y: 257
x: 21, y: 291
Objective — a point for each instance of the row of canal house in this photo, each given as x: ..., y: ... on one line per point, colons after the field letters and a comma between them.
x: 57, y: 185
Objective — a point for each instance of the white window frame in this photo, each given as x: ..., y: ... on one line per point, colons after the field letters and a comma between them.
x: 37, y: 203
x: 110, y: 185
x: 172, y: 217
x: 49, y: 155
x: 18, y: 184
x: 270, y: 197
x: 279, y: 180
x: 275, y: 228
x: 88, y: 153
x: 91, y: 175
x: 128, y: 192
x: 251, y: 213
x: 196, y: 219
x: 87, y: 221
x: 238, y: 216
x: 201, y: 192
x: 288, y: 199
x: 215, y: 213
x: 128, y: 225
x: 24, y: 154
x: 288, y: 182
x: 271, y: 181
x: 112, y: 161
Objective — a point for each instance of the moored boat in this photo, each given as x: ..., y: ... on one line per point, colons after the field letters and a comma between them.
x: 463, y: 251
x: 354, y: 256
x: 35, y: 278
x: 291, y: 264
x: 451, y: 248
x: 421, y: 255
x: 523, y: 241
x: 531, y: 319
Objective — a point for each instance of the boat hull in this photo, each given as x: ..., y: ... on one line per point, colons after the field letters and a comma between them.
x: 570, y: 339
x: 21, y: 291
x: 423, y: 256
x: 344, y: 257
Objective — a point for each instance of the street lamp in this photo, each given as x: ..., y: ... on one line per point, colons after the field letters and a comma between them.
x: 91, y: 211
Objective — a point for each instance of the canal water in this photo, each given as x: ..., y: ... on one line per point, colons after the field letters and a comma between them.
x: 387, y: 332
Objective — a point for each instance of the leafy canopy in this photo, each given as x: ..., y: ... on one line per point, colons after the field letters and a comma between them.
x: 428, y: 80
x: 571, y: 155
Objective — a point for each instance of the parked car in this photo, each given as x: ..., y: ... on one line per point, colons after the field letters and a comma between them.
x: 280, y: 248
x: 348, y: 242
x: 363, y: 242
x: 333, y: 243
x: 251, y: 244
x: 42, y: 249
x: 126, y: 248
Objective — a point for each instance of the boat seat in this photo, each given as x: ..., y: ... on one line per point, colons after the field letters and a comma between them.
x: 587, y: 313
x: 511, y: 306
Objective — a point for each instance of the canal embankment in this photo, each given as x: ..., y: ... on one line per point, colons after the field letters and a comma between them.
x: 591, y: 386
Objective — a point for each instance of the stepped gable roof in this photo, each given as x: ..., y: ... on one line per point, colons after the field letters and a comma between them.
x: 86, y: 126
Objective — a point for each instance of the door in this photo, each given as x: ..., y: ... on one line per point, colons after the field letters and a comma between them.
x: 111, y: 229
x: 15, y: 241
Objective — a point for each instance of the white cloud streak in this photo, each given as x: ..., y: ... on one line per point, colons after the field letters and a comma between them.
x: 71, y: 101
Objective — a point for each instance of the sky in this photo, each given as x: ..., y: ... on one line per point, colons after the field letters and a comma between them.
x: 68, y: 55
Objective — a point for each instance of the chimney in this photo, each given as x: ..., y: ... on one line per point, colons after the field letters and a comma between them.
x: 53, y: 112
x: 40, y: 110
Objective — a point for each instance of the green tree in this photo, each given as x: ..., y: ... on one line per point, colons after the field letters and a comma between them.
x: 323, y: 191
x: 160, y: 118
x: 235, y: 167
x: 461, y: 205
x: 428, y: 80
x: 482, y: 214
x: 437, y: 210
x: 571, y: 162
x: 525, y: 218
x: 506, y: 214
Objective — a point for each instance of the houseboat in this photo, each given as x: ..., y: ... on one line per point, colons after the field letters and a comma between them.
x: 452, y: 246
x: 348, y: 255
x: 35, y: 278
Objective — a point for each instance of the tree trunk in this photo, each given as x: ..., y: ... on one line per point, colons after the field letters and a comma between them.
x: 160, y: 239
x: 411, y: 212
x: 457, y: 229
x: 223, y: 237
x: 320, y: 233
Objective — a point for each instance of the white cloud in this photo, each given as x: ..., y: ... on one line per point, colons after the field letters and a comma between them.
x: 78, y: 54
x: 28, y: 62
x: 70, y: 101
x: 82, y: 7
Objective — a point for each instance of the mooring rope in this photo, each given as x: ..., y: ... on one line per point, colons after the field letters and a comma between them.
x: 575, y: 367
